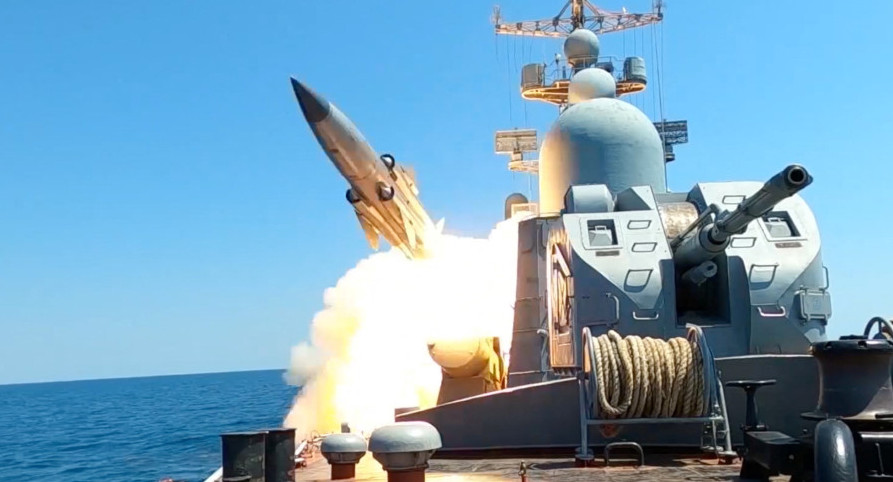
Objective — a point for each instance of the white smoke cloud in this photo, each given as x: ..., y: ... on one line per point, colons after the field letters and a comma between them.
x: 306, y: 362
x: 368, y: 350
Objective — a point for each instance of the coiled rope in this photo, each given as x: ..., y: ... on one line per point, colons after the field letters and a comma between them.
x: 648, y: 377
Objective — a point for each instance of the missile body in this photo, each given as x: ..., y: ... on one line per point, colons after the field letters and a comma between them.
x: 384, y: 195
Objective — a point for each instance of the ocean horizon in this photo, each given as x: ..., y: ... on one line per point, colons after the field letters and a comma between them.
x: 127, y: 377
x: 142, y: 428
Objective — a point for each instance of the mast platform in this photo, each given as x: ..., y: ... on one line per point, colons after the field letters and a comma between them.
x: 556, y: 92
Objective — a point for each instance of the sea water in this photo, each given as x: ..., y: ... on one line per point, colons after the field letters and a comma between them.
x: 132, y: 429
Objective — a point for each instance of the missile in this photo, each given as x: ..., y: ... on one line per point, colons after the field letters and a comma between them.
x: 383, y: 194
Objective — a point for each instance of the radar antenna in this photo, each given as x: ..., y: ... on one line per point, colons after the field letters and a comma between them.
x: 583, y: 14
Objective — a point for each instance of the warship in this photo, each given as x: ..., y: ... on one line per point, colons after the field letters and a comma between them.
x: 645, y: 321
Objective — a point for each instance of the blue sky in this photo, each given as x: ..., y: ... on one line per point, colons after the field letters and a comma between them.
x: 165, y: 209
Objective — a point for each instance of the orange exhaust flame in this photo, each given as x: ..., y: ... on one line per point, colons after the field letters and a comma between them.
x: 368, y: 347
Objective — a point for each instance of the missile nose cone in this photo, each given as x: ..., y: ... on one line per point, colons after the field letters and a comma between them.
x: 314, y: 107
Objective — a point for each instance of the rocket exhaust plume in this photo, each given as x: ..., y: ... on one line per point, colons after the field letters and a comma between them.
x: 368, y: 350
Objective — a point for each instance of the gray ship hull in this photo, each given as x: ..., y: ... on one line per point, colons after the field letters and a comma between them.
x: 546, y: 416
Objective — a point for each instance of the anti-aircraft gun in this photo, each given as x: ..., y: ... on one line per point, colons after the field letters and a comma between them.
x: 697, y: 246
x: 740, y: 259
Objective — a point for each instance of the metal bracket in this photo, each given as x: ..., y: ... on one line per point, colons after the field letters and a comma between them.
x: 624, y: 445
x: 616, y: 305
x: 646, y: 318
x: 804, y: 296
x: 780, y: 314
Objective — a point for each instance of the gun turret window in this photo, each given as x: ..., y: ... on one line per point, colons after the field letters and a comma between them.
x: 601, y: 233
x: 779, y: 225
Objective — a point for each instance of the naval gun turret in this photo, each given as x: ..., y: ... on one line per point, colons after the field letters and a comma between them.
x: 613, y: 249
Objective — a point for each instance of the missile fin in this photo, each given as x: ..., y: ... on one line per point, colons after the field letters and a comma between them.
x: 407, y: 226
x: 372, y: 234
x: 406, y: 176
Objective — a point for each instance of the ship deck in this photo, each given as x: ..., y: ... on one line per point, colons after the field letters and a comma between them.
x: 664, y: 468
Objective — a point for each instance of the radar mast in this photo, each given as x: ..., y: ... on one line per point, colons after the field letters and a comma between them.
x: 549, y: 82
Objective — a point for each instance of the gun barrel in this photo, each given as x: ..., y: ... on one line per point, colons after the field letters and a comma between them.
x: 708, y: 241
x: 781, y: 186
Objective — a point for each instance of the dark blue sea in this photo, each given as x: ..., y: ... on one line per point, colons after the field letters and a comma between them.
x: 132, y: 429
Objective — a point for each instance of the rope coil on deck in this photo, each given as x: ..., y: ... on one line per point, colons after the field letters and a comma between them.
x: 647, y: 377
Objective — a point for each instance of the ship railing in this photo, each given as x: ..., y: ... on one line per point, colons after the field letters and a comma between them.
x: 884, y: 328
x: 547, y: 74
x: 715, y: 415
